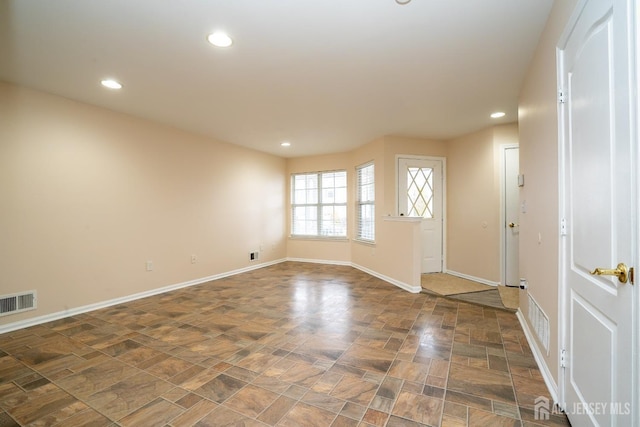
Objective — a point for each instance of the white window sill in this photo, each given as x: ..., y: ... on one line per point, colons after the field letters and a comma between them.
x: 365, y: 242
x: 320, y: 238
x: 401, y: 218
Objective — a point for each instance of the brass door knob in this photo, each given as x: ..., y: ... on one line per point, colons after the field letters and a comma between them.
x: 621, y: 272
x: 512, y: 224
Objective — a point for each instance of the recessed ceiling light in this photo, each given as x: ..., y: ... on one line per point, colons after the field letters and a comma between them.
x: 111, y: 84
x: 220, y: 39
x: 285, y: 144
x: 497, y: 115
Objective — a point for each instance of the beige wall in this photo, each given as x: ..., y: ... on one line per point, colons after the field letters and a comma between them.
x: 89, y: 195
x: 505, y: 135
x: 473, y: 202
x: 538, y: 128
x: 394, y: 255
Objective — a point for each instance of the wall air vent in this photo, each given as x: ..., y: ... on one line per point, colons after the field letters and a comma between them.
x: 16, y: 303
x: 540, y: 322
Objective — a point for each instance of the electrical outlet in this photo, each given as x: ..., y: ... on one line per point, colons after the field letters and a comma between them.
x: 524, y: 284
x: 149, y: 265
x: 194, y: 259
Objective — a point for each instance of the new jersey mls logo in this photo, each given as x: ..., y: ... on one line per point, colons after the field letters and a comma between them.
x: 541, y: 408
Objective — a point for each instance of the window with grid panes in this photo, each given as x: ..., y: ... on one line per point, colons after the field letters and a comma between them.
x: 366, y: 197
x: 319, y: 204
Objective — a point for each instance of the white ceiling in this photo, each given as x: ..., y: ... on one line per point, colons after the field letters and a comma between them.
x: 327, y: 75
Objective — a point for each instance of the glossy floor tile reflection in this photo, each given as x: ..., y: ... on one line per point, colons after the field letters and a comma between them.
x: 288, y: 345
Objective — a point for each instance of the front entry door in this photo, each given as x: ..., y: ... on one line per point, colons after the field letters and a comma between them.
x: 420, y: 195
x: 598, y: 214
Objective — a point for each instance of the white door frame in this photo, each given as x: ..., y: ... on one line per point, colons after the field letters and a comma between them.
x: 635, y: 196
x: 635, y: 134
x: 444, y: 196
x: 503, y: 218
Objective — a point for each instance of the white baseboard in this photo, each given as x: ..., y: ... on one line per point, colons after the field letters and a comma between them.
x: 319, y: 261
x: 407, y: 287
x: 538, y: 355
x: 472, y: 278
x: 103, y: 304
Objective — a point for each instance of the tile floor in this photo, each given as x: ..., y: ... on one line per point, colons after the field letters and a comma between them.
x: 289, y: 345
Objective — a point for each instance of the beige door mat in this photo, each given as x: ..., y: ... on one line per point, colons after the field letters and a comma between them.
x: 470, y: 291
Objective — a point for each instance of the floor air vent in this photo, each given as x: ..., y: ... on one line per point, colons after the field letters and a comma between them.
x: 16, y: 303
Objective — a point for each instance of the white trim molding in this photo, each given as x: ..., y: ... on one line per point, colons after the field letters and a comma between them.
x: 319, y: 261
x: 9, y: 327
x: 538, y: 355
x: 402, y: 285
x: 472, y: 278
x: 407, y: 287
x: 401, y: 218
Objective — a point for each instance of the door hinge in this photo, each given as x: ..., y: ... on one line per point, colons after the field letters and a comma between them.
x: 563, y: 358
x: 561, y: 96
x: 563, y: 227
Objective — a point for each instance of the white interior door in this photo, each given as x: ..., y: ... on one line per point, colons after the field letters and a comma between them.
x: 599, y: 214
x: 420, y: 195
x: 511, y: 215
